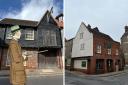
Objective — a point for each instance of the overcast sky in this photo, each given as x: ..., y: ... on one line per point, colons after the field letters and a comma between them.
x: 110, y: 16
x: 29, y: 9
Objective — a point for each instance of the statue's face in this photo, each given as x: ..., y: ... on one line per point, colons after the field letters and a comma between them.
x: 17, y: 34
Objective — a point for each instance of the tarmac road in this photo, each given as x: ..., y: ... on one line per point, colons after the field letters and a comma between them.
x: 41, y: 80
x: 121, y: 79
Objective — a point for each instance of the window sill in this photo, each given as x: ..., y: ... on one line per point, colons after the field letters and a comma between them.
x: 29, y: 39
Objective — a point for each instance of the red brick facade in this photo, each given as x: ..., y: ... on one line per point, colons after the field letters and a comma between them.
x: 104, y: 56
x: 32, y: 62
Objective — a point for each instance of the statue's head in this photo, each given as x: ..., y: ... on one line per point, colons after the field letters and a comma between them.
x: 16, y: 33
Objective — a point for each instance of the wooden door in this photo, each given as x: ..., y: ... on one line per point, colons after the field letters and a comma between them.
x: 47, y: 61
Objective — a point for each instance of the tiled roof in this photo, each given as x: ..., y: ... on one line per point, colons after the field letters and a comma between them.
x: 19, y: 22
x: 97, y: 32
x: 9, y: 21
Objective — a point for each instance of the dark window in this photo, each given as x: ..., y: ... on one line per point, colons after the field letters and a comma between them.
x: 83, y: 64
x: 99, y: 64
x: 82, y: 46
x: 53, y: 38
x: 81, y: 35
x: 8, y: 34
x: 49, y: 38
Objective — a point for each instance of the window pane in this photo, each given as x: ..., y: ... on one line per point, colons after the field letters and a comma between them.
x: 83, y: 64
x: 8, y: 34
x: 29, y: 35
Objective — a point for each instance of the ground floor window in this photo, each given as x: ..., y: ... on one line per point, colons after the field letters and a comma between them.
x: 83, y: 64
x: 80, y: 64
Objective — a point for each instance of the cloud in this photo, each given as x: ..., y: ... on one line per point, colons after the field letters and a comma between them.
x: 33, y: 10
x: 110, y: 16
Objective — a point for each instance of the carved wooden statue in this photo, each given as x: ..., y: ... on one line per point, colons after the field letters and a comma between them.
x: 17, y: 69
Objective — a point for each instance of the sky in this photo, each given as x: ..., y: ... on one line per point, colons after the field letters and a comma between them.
x: 29, y: 9
x: 110, y: 16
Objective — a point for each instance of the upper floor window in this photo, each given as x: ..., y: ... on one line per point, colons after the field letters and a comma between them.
x: 82, y: 46
x: 109, y: 51
x: 8, y: 34
x: 81, y: 35
x: 53, y: 38
x: 98, y: 49
x: 117, y: 52
x: 126, y: 54
x: 29, y: 34
x: 49, y: 38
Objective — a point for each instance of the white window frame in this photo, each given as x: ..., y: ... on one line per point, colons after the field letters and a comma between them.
x: 27, y: 33
x: 117, y: 52
x: 126, y: 54
x: 109, y: 51
x: 53, y: 38
x: 98, y: 49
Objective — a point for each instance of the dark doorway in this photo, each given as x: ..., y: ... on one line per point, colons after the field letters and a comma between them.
x: 110, y: 65
x: 47, y: 60
x: 41, y: 60
x: 99, y: 66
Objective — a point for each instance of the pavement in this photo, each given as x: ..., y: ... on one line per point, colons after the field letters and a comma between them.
x: 37, y: 77
x: 36, y: 73
x: 114, y: 78
x: 45, y: 72
x: 41, y: 80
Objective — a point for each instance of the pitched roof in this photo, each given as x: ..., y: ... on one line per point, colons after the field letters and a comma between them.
x: 45, y: 15
x: 9, y: 21
x: 19, y: 22
x: 97, y: 32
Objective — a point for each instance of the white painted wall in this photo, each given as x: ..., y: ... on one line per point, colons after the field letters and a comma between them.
x: 77, y: 64
x: 87, y: 40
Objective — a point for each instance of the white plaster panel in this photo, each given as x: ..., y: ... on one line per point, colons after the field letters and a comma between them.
x: 87, y: 40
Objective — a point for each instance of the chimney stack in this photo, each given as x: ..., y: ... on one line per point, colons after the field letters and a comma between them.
x: 126, y: 28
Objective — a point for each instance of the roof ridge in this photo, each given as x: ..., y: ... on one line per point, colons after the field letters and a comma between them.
x: 19, y: 19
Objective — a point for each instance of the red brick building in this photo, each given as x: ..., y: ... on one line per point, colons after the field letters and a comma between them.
x: 94, y: 52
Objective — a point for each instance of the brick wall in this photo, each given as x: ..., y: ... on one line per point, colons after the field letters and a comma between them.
x: 32, y: 62
x: 103, y: 41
